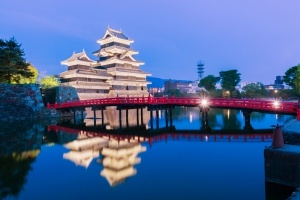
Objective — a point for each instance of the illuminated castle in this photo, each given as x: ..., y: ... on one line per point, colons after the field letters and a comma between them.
x: 116, y: 73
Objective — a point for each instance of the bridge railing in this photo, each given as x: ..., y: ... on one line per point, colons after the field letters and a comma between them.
x: 266, y: 105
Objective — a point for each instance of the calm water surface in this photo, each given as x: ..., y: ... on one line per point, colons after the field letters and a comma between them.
x: 39, y: 163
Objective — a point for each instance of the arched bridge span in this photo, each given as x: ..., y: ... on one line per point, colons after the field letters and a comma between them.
x: 261, y: 105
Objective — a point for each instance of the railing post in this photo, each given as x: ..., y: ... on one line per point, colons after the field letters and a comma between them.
x: 118, y: 100
x: 298, y: 110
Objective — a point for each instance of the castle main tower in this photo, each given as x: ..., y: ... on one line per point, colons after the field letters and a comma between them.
x: 116, y: 57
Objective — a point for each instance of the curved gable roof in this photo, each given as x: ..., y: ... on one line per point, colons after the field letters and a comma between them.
x: 77, y: 57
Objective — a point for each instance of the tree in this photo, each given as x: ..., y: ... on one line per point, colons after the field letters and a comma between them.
x: 254, y: 90
x: 33, y: 79
x: 209, y: 82
x: 175, y: 93
x: 289, y: 76
x: 13, y: 65
x: 296, y: 80
x: 48, y: 82
x: 229, y: 80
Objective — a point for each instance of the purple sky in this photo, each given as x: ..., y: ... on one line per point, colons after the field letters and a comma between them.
x: 261, y: 39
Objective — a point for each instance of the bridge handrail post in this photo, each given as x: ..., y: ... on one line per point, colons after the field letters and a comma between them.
x: 149, y: 99
x: 298, y: 110
x: 117, y: 99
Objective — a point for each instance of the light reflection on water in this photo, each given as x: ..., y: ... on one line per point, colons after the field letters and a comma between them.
x: 40, y: 163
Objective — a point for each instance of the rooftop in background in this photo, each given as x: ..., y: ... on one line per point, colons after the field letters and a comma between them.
x: 159, y: 82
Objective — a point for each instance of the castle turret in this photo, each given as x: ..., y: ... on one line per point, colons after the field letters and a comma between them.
x: 89, y: 82
x: 116, y: 57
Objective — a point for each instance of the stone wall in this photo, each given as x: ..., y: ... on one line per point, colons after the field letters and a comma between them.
x: 291, y: 132
x: 282, y: 165
x: 66, y: 94
x: 20, y: 101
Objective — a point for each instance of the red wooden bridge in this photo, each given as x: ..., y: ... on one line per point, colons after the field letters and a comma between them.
x: 262, y: 105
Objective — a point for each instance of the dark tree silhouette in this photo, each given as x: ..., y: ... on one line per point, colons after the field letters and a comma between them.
x: 230, y: 79
x: 13, y: 65
x: 209, y: 82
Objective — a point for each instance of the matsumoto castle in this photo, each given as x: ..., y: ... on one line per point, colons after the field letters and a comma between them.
x: 115, y: 73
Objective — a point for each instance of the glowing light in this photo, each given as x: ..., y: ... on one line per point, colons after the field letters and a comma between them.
x: 204, y: 103
x: 276, y: 104
x: 206, y: 138
x: 191, y: 117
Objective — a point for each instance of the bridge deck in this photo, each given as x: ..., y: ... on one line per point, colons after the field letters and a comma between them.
x: 251, y: 104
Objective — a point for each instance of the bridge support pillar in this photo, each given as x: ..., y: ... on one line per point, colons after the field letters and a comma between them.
x: 248, y: 126
x: 204, y: 119
x: 120, y: 118
x: 102, y: 117
x: 127, y: 122
x: 157, y: 117
x: 142, y: 117
x: 151, y: 118
x: 95, y: 117
x: 94, y: 109
x: 171, y: 117
x: 137, y: 117
x: 167, y: 120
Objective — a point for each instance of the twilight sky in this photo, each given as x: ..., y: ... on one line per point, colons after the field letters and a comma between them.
x: 261, y: 39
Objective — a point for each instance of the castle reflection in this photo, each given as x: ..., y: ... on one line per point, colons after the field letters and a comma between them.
x: 117, y: 150
x: 118, y: 156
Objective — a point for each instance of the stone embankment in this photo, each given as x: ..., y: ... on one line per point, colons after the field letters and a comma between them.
x: 21, y: 102
x: 291, y: 132
x: 282, y: 164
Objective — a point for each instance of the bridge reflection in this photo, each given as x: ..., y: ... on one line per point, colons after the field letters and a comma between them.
x: 169, y: 134
x: 117, y: 151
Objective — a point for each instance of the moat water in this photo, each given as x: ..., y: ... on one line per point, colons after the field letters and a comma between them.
x: 60, y: 160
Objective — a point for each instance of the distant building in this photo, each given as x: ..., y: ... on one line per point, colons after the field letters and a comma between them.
x: 156, y: 88
x: 200, y: 69
x: 194, y: 88
x: 170, y: 85
x: 182, y: 86
x: 243, y: 84
x: 278, y: 84
x: 279, y: 80
x: 274, y: 87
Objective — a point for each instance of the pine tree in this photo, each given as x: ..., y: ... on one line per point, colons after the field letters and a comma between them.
x: 13, y: 65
